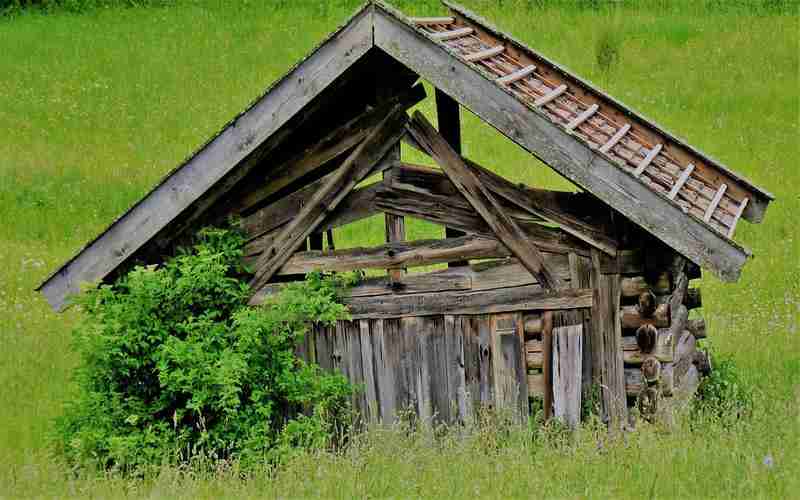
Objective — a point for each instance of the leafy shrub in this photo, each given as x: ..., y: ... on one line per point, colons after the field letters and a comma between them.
x: 723, y: 395
x: 174, y: 365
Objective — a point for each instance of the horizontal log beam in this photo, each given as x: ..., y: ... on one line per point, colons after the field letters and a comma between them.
x: 632, y: 319
x: 697, y: 327
x: 523, y: 298
x: 663, y: 350
x: 397, y: 255
x: 633, y: 286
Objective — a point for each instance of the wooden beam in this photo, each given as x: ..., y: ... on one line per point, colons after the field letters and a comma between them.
x: 551, y: 95
x: 282, y: 101
x: 396, y: 255
x: 567, y: 356
x: 614, y: 139
x: 647, y: 159
x: 565, y: 153
x: 517, y: 75
x: 681, y: 181
x: 523, y: 298
x: 547, y: 363
x: 713, y: 205
x: 451, y: 34
x: 482, y: 200
x: 427, y: 21
x: 484, y: 54
x: 590, y: 111
x: 384, y: 136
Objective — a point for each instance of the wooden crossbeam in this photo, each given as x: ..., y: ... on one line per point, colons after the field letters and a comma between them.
x: 517, y: 75
x: 465, y: 180
x: 337, y: 142
x: 452, y: 34
x: 583, y: 117
x: 550, y: 95
x: 543, y: 207
x: 681, y: 181
x: 358, y: 164
x: 428, y: 21
x: 484, y: 54
x: 647, y: 159
x: 715, y: 202
x: 614, y: 139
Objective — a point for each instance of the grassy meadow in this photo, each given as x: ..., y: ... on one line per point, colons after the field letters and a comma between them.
x: 96, y: 107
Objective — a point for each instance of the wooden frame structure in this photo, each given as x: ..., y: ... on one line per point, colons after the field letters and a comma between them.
x: 580, y: 289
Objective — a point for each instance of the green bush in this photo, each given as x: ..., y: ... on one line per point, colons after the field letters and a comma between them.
x: 724, y: 395
x: 174, y: 365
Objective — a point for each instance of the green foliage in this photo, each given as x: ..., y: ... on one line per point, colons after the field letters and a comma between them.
x: 724, y: 395
x: 175, y: 365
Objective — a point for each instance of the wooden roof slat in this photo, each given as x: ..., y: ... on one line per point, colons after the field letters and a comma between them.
x: 451, y: 34
x: 484, y: 54
x: 517, y: 75
x: 552, y: 94
x: 647, y: 159
x: 583, y: 117
x: 428, y: 21
x: 737, y: 216
x: 681, y: 181
x: 614, y: 139
x: 714, y: 202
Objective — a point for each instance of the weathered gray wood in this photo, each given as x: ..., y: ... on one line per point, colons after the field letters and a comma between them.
x: 588, y: 113
x: 456, y: 368
x: 484, y: 54
x: 531, y: 297
x: 372, y: 404
x: 283, y: 100
x: 396, y: 255
x: 536, y: 385
x: 424, y: 21
x: 681, y: 181
x: 633, y: 286
x: 714, y: 202
x: 547, y: 364
x: 452, y: 212
x: 614, y: 139
x: 483, y: 328
x: 647, y: 159
x: 516, y: 75
x: 550, y: 96
x: 482, y: 201
x: 357, y: 165
x: 424, y: 340
x: 567, y: 154
x: 450, y: 35
x: 533, y: 324
x: 567, y: 373
x: 510, y: 381
x: 472, y: 366
x: 607, y: 363
x: 581, y: 277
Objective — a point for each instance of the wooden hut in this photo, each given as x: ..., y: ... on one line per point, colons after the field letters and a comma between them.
x: 546, y: 293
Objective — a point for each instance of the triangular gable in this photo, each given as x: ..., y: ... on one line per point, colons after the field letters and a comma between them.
x: 462, y: 74
x: 429, y: 47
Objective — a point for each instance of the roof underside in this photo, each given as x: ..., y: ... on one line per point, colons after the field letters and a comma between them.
x: 636, y: 176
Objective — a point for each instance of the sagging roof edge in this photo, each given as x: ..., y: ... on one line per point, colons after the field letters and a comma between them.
x: 364, y: 9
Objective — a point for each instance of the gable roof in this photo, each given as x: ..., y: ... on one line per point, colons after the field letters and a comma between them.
x: 465, y: 57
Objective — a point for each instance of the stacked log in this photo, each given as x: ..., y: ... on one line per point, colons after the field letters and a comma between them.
x: 659, y: 340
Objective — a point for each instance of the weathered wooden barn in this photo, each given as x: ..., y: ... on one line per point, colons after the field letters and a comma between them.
x: 545, y: 293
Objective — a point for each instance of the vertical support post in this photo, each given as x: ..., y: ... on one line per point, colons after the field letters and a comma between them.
x: 547, y: 363
x: 449, y: 121
x: 395, y: 224
x: 607, y: 364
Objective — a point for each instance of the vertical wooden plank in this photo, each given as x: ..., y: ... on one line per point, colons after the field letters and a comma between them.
x: 395, y: 225
x: 388, y: 375
x: 439, y: 369
x: 509, y: 386
x: 322, y: 346
x: 607, y: 341
x: 353, y: 341
x: 456, y: 376
x: 424, y: 363
x: 449, y: 122
x: 472, y: 364
x: 567, y: 356
x: 580, y: 269
x: 547, y: 362
x: 371, y: 405
x: 486, y: 376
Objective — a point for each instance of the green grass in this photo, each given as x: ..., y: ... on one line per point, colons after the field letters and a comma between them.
x: 95, y: 108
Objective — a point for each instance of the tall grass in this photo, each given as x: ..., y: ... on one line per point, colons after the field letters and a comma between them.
x: 95, y: 108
